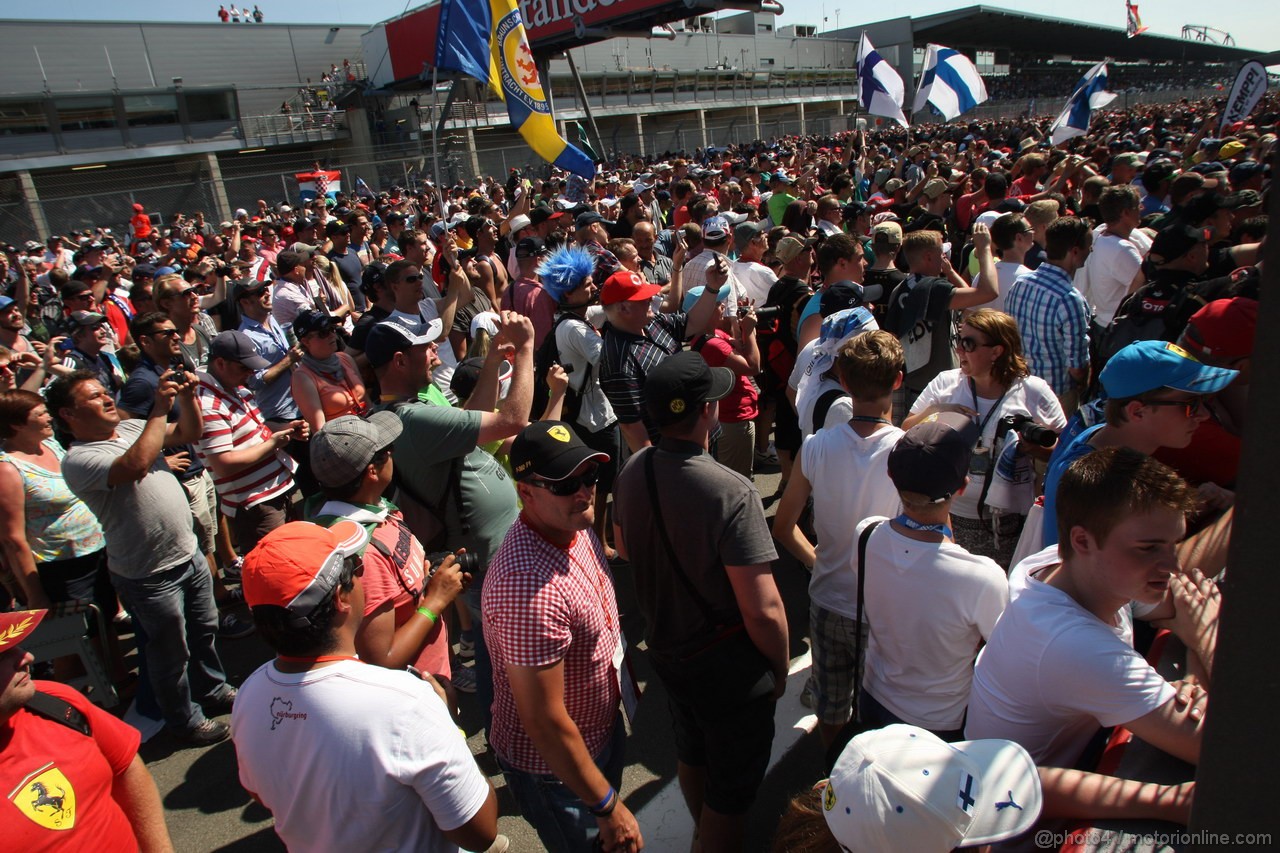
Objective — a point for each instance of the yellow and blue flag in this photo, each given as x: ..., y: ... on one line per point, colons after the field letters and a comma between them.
x: 486, y: 40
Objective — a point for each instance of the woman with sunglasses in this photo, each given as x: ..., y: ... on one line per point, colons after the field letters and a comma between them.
x: 992, y: 382
x: 326, y: 383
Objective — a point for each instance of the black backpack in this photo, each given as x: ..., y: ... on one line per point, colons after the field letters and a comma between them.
x: 547, y: 355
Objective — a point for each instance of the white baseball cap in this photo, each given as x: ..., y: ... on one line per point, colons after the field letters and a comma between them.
x: 903, y: 788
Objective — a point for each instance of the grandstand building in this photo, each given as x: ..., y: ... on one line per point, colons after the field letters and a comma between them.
x: 95, y: 116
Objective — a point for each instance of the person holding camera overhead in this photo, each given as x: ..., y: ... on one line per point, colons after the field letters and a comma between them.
x: 159, y: 342
x: 406, y: 591
x: 994, y: 386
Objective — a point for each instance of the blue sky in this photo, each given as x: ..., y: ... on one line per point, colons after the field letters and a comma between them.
x: 1253, y: 22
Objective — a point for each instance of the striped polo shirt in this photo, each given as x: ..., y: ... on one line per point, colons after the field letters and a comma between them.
x: 232, y: 422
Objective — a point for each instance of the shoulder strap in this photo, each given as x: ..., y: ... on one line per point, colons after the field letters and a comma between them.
x: 60, y: 711
x: 823, y: 406
x: 857, y: 625
x: 453, y: 487
x: 697, y: 597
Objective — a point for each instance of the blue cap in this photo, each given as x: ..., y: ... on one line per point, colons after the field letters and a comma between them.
x: 694, y: 294
x: 166, y: 271
x: 1150, y: 365
x: 5, y: 302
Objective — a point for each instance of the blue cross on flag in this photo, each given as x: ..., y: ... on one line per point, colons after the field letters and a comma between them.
x: 880, y: 89
x: 1090, y: 94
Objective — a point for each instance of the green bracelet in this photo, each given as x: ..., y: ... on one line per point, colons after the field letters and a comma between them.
x: 426, y: 611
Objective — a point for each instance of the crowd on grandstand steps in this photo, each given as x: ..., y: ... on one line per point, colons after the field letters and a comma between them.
x: 406, y: 437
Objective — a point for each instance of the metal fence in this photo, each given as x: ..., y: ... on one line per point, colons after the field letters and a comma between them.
x: 79, y: 200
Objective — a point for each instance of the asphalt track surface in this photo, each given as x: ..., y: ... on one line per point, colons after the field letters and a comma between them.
x: 207, y: 810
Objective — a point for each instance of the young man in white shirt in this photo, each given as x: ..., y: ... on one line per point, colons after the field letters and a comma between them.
x: 1012, y: 237
x: 929, y: 603
x: 1108, y: 274
x: 317, y: 726
x: 844, y: 468
x: 1060, y: 665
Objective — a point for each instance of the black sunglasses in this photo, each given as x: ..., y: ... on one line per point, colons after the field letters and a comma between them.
x: 970, y: 344
x: 1189, y: 407
x: 570, y: 485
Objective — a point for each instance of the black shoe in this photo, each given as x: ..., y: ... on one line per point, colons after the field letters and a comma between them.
x: 206, y: 734
x: 221, y: 705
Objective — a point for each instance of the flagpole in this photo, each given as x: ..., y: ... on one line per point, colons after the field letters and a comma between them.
x: 586, y: 106
x: 435, y: 138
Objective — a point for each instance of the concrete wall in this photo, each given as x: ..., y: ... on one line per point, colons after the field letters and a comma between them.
x: 258, y: 59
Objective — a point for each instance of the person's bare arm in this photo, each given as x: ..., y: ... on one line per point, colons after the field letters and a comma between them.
x: 558, y: 383
x: 513, y: 413
x: 135, y: 462
x: 988, y: 287
x: 479, y: 832
x: 190, y: 424
x: 219, y: 295
x: 306, y: 395
x: 786, y: 523
x: 275, y: 371
x: 485, y: 396
x: 1094, y: 796
x: 13, y: 538
x: 765, y: 618
x: 635, y: 434
x: 135, y: 792
x: 457, y: 286
x: 539, y: 698
x: 1190, y: 611
x: 702, y: 314
x: 1174, y: 728
x: 229, y: 462
x: 381, y: 643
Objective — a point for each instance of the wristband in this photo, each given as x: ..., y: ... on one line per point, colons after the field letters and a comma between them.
x: 605, y: 807
x: 426, y: 611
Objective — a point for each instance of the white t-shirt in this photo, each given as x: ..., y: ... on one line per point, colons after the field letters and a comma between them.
x: 928, y: 606
x: 579, y: 346
x: 442, y: 375
x: 1007, y: 273
x: 850, y: 479
x: 1052, y: 673
x: 1109, y: 270
x: 355, y: 757
x: 1027, y: 396
x: 755, y: 280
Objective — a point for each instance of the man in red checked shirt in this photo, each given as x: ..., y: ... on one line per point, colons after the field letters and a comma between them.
x: 69, y: 770
x: 558, y: 673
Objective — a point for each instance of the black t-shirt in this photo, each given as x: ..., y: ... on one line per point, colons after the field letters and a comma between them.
x: 349, y: 266
x: 360, y: 333
x: 139, y: 395
x: 887, y: 281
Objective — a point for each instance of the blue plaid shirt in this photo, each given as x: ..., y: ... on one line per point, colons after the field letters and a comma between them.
x: 1053, y: 319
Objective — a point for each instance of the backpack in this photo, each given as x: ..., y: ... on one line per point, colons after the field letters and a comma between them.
x: 547, y: 354
x: 1142, y: 316
x: 824, y: 404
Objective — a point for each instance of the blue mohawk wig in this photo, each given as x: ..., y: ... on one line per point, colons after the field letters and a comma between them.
x: 564, y: 270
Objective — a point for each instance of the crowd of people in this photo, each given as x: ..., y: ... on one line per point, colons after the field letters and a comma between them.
x: 233, y: 15
x: 414, y: 433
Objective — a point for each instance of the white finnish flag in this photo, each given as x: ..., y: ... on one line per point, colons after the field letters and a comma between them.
x: 1090, y: 94
x: 950, y: 82
x: 880, y: 89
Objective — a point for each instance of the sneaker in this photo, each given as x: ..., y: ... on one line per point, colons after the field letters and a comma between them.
x: 464, y: 680
x: 764, y: 460
x: 221, y: 705
x: 466, y: 647
x: 206, y: 734
x: 809, y: 696
x: 235, y: 595
x: 232, y: 627
x: 500, y: 845
x: 232, y: 572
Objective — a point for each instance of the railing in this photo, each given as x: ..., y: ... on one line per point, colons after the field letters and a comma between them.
x: 293, y: 128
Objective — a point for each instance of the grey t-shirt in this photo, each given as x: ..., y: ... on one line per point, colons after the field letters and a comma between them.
x: 433, y: 437
x: 147, y: 524
x: 714, y: 518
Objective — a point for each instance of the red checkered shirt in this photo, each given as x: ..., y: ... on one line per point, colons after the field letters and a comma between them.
x: 542, y: 604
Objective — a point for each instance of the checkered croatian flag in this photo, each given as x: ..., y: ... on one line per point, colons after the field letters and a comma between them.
x: 322, y: 184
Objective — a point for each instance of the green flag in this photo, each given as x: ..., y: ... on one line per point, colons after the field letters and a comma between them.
x: 583, y: 143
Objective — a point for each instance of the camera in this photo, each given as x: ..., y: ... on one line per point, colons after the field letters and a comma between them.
x: 469, y: 563
x: 179, y: 368
x: 1027, y: 429
x: 762, y: 313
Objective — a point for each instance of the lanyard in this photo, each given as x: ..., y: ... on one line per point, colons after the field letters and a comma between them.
x: 868, y: 419
x: 982, y: 424
x: 912, y: 524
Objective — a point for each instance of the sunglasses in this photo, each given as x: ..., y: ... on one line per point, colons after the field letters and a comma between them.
x: 970, y: 344
x: 570, y: 485
x: 1190, y: 408
x: 163, y: 333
